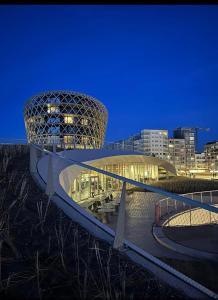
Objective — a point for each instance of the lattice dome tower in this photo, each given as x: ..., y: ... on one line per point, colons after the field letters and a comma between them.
x: 67, y: 119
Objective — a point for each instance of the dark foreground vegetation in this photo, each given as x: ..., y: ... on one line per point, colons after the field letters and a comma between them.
x: 203, y: 271
x: 184, y: 185
x: 44, y: 255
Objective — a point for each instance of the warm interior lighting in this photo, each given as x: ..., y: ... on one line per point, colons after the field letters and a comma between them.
x: 53, y: 108
x: 68, y: 119
x: 84, y: 140
x: 68, y: 139
x: 84, y: 121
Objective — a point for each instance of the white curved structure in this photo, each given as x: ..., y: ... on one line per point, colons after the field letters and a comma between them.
x: 78, y: 214
x: 81, y: 184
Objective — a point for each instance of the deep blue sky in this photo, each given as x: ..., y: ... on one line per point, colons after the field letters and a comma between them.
x: 152, y: 66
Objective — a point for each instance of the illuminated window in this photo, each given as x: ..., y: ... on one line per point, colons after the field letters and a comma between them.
x: 53, y: 108
x: 84, y: 139
x: 68, y: 119
x: 68, y: 139
x: 84, y: 121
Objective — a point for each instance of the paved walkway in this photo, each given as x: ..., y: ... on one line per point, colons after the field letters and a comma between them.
x: 140, y: 212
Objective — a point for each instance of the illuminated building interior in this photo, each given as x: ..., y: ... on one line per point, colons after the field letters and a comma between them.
x: 88, y: 184
x: 76, y: 121
x: 67, y: 119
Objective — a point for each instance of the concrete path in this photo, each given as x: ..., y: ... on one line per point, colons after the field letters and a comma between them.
x: 140, y: 210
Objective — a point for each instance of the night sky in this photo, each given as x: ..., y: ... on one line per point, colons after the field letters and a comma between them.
x: 153, y: 67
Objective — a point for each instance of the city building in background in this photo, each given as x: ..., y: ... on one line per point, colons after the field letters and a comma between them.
x: 150, y: 142
x: 211, y: 157
x: 177, y: 154
x: 72, y: 120
x: 180, y: 150
x: 127, y: 144
x: 77, y: 122
x: 200, y: 170
x: 67, y: 119
x: 153, y: 142
x: 200, y: 161
x: 189, y: 135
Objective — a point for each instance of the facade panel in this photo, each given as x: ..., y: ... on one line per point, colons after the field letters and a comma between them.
x: 65, y: 118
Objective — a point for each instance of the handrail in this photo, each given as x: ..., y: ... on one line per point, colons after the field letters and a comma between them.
x: 194, y: 193
x: 133, y: 182
x: 129, y: 245
x: 199, y: 192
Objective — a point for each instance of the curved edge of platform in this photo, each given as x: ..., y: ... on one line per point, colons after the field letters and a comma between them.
x: 170, y: 244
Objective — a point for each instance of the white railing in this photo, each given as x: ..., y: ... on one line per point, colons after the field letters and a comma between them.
x: 177, y: 198
x: 170, y: 212
x: 119, y: 241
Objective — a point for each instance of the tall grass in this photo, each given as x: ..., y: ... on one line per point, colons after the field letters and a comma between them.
x: 45, y: 255
x: 183, y: 185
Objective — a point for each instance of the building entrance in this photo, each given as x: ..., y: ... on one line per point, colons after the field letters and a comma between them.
x: 94, y: 186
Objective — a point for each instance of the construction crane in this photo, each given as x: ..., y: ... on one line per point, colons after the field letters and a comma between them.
x: 196, y: 134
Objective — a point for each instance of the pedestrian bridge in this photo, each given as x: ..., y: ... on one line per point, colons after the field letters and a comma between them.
x: 48, y: 169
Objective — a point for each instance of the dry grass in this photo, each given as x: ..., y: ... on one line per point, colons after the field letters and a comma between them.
x: 183, y: 185
x: 45, y: 255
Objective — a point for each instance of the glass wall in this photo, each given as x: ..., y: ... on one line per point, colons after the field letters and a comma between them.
x: 90, y: 184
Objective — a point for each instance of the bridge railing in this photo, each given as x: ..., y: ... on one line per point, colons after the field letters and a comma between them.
x: 172, y: 199
x: 120, y: 240
x: 170, y: 212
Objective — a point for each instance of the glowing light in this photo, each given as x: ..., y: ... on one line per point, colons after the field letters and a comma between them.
x: 68, y: 119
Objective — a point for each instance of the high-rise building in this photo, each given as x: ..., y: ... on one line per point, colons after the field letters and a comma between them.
x: 189, y: 134
x: 67, y: 119
x: 153, y: 142
x: 177, y: 153
x: 200, y: 161
x: 76, y: 123
x: 211, y: 155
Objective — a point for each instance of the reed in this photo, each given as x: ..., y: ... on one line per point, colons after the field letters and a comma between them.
x: 49, y: 255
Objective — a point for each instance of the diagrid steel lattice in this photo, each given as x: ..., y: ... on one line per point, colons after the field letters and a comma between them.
x: 68, y: 119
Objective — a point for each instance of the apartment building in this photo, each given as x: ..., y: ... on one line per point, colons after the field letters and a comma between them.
x: 177, y: 153
x: 189, y: 135
x: 200, y: 161
x: 211, y: 155
x: 153, y: 142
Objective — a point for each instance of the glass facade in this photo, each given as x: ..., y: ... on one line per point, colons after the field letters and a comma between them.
x: 68, y: 119
x: 90, y: 184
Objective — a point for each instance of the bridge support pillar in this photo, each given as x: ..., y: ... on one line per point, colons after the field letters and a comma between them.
x: 120, y: 229
x: 50, y: 177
